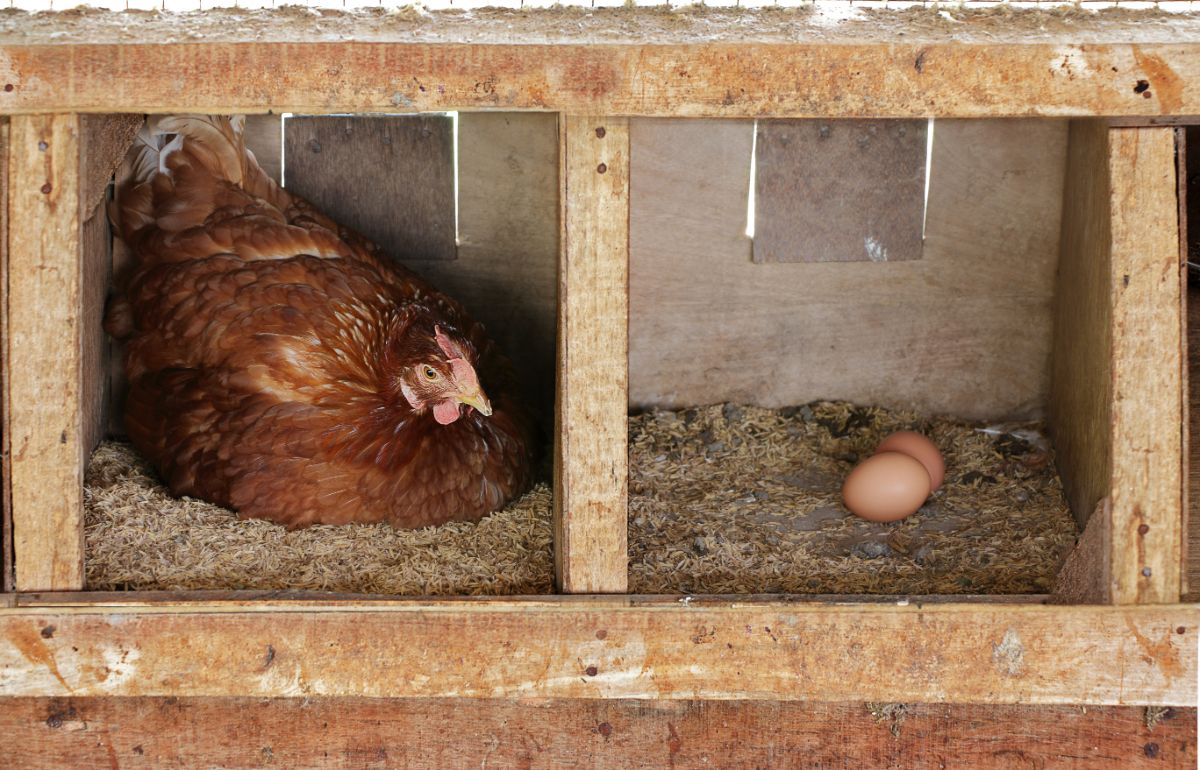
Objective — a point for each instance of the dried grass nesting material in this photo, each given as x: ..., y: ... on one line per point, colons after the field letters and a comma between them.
x: 723, y: 499
x: 140, y: 537
x: 739, y: 499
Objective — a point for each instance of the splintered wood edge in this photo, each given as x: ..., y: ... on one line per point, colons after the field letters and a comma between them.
x: 1147, y: 383
x: 610, y: 648
x: 878, y: 74
x: 46, y: 350
x: 591, y: 460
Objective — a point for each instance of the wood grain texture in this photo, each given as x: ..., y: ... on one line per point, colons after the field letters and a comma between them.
x: 591, y: 463
x: 153, y: 733
x: 264, y: 138
x: 611, y: 648
x: 1193, y: 450
x: 1084, y: 577
x: 965, y: 330
x: 391, y: 178
x: 45, y: 348
x: 1147, y: 449
x: 103, y: 141
x: 839, y: 190
x: 1080, y: 381
x: 6, y: 539
x: 609, y: 61
x: 506, y: 272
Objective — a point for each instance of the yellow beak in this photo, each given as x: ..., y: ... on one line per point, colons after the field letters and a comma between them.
x: 477, y: 400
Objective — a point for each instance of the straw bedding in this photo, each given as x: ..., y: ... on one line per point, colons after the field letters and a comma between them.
x: 723, y: 499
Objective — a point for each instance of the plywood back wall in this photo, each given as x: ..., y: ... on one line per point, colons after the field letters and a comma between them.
x: 965, y: 330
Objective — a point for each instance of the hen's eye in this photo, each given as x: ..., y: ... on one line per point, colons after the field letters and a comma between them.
x: 430, y: 374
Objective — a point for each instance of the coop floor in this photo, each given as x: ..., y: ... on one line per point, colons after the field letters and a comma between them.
x: 722, y: 500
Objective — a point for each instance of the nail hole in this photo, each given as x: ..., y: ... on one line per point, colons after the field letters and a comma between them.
x: 8, y: 86
x: 600, y: 132
x: 1142, y: 85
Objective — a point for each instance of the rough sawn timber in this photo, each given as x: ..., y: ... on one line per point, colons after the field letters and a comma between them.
x: 435, y: 734
x: 610, y: 648
x: 591, y: 459
x: 713, y: 63
x: 45, y: 339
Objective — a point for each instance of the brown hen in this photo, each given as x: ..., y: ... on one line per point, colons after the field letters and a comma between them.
x: 280, y: 366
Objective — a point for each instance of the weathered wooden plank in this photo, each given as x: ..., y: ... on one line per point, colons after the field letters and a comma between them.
x: 1147, y: 386
x: 263, y: 135
x: 391, y: 178
x: 1080, y: 379
x: 591, y: 463
x: 45, y: 352
x: 965, y: 330
x: 132, y: 733
x: 6, y: 541
x: 1083, y: 578
x: 839, y: 190
x: 104, y: 139
x: 597, y: 648
x: 612, y: 61
x: 1193, y: 450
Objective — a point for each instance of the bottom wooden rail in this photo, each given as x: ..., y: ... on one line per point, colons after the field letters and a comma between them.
x: 132, y: 733
x: 609, y: 648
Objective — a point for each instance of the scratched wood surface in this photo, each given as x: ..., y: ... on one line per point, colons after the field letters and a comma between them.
x: 609, y: 648
x: 45, y: 352
x: 1147, y: 364
x: 591, y: 463
x: 6, y: 553
x: 611, y: 61
x: 152, y: 733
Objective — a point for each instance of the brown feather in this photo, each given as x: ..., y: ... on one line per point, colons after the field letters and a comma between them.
x: 264, y: 347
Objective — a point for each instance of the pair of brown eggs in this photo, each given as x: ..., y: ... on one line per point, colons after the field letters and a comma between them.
x: 895, y: 481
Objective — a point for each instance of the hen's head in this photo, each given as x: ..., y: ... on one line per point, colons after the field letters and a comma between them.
x: 437, y: 372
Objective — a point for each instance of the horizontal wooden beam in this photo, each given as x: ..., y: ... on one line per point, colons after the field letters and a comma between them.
x: 597, y: 647
x: 152, y: 733
x: 609, y: 62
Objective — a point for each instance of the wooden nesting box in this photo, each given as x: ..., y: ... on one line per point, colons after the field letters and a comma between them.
x: 1111, y: 327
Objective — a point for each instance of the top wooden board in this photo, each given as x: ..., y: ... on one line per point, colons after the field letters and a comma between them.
x: 624, y: 61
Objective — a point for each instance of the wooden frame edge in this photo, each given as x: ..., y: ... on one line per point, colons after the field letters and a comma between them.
x: 608, y: 647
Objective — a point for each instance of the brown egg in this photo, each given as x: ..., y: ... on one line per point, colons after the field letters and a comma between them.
x: 920, y: 448
x: 886, y: 487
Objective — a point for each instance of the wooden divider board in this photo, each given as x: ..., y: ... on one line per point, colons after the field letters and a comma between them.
x: 591, y: 462
x: 1118, y: 387
x: 45, y: 352
x: 1147, y: 364
x: 1080, y: 381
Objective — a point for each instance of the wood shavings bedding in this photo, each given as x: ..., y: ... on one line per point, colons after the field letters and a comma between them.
x: 723, y: 499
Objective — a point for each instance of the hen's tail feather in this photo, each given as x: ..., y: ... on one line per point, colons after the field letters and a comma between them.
x: 213, y: 142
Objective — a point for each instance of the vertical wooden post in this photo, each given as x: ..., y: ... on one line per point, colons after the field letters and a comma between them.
x: 590, y: 527
x: 45, y: 341
x: 1147, y: 383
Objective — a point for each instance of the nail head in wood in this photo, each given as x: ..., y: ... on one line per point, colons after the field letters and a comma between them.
x: 601, y: 168
x: 46, y: 188
x: 600, y: 132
